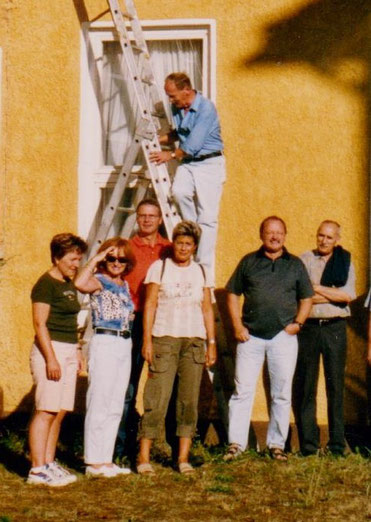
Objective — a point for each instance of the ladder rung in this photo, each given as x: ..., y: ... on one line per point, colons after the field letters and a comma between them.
x: 142, y: 176
x: 147, y: 81
x: 127, y: 15
x: 126, y: 210
x: 158, y: 114
x: 138, y: 49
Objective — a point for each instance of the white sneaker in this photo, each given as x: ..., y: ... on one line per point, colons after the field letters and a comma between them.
x: 43, y: 476
x: 102, y: 471
x: 121, y: 471
x: 61, y: 473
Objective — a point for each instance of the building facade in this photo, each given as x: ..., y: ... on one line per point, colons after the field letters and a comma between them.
x: 291, y: 82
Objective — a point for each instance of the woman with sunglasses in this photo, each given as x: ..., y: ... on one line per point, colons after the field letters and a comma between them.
x: 109, y: 359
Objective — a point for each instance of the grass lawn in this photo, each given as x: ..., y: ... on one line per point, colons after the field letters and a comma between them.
x: 252, y: 488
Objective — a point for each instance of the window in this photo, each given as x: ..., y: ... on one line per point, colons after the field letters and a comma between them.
x: 107, y: 114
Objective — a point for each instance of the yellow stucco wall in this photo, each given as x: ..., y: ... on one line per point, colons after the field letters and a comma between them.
x: 40, y: 149
x: 292, y: 94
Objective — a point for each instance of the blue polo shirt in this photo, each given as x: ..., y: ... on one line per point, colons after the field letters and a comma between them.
x: 199, y: 129
x: 271, y: 291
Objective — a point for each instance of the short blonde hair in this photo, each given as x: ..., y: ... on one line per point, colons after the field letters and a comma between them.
x: 187, y: 228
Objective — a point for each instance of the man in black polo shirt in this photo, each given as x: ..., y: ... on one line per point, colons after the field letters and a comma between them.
x: 277, y: 300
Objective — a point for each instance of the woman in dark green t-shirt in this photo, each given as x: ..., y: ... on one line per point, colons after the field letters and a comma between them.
x: 54, y: 357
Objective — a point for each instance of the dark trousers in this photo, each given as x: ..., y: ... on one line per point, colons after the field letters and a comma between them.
x: 328, y: 339
x: 127, y: 434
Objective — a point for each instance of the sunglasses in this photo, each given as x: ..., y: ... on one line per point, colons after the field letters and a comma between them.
x: 113, y: 259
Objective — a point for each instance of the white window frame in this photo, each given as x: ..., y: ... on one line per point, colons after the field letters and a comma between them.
x: 93, y: 176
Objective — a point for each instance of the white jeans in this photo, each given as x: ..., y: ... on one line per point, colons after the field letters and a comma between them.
x: 109, y: 372
x: 198, y: 188
x: 281, y: 352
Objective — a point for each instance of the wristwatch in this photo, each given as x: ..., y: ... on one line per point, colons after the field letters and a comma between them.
x: 299, y: 324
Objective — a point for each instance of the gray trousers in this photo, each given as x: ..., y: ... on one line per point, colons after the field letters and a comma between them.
x: 184, y: 357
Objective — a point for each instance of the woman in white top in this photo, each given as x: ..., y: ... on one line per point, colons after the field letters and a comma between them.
x: 109, y: 361
x: 178, y: 319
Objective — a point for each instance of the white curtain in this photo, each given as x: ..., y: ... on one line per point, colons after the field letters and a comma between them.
x: 119, y: 103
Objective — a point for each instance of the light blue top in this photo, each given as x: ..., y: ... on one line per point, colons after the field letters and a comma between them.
x: 112, y: 307
x: 199, y: 129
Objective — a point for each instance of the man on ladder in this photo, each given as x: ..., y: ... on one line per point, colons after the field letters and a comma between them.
x: 199, y: 178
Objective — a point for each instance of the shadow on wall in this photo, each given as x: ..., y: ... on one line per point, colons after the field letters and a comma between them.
x: 14, y: 432
x: 357, y: 384
x: 322, y: 34
x: 357, y: 398
x: 333, y: 37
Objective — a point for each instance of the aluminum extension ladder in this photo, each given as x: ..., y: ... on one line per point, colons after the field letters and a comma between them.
x: 151, y: 117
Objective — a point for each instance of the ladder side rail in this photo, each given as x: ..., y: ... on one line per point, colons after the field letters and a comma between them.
x: 140, y: 193
x: 162, y: 187
x: 155, y: 92
x: 128, y: 54
x: 147, y: 131
x: 116, y: 196
x: 140, y: 42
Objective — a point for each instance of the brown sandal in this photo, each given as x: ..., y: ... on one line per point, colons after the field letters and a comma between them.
x: 145, y: 469
x: 185, y: 468
x: 278, y: 454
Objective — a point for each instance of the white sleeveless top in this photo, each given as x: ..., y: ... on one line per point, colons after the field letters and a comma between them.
x: 179, y: 306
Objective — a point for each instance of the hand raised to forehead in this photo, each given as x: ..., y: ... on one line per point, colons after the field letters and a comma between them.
x: 102, y: 255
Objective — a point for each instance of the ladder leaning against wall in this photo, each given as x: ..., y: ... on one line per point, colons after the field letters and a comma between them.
x: 150, y: 119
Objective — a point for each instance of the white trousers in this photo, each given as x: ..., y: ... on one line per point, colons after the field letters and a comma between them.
x: 109, y: 371
x: 197, y: 189
x: 281, y: 352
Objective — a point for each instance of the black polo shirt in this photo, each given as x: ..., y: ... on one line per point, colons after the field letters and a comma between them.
x: 271, y: 290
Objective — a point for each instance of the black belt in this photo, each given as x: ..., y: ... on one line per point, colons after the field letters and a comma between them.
x: 118, y: 333
x: 322, y: 322
x: 204, y: 157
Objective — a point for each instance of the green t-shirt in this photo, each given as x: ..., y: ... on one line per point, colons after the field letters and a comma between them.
x: 64, y: 307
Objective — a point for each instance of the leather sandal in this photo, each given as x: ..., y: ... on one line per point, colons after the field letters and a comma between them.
x: 185, y: 468
x: 234, y: 451
x: 145, y: 468
x: 278, y: 454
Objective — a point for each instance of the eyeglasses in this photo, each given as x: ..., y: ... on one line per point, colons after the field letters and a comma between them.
x: 148, y: 216
x: 113, y: 259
